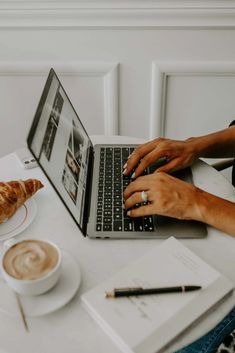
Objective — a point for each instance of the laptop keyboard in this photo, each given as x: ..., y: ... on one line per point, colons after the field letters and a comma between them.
x: 110, y: 213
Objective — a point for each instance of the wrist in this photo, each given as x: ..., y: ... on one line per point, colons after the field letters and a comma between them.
x: 215, y: 211
x: 202, y: 145
x: 201, y: 205
x: 196, y: 146
x: 195, y: 205
x: 207, y: 207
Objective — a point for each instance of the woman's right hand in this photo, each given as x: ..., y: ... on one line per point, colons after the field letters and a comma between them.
x: 178, y: 155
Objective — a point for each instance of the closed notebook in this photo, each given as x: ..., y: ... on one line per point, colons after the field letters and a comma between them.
x: 145, y: 324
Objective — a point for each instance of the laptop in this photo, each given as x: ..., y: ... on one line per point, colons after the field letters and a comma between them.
x: 89, y: 179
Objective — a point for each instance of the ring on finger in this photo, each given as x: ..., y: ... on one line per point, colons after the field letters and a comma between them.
x: 144, y: 196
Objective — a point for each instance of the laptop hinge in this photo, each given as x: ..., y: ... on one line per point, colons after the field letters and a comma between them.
x: 88, y: 191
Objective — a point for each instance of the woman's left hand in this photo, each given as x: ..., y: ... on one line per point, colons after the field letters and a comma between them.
x: 167, y: 196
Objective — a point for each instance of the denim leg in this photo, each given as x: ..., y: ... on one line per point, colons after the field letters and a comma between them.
x: 211, y: 341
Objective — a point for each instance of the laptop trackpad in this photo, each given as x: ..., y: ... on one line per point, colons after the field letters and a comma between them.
x: 167, y: 226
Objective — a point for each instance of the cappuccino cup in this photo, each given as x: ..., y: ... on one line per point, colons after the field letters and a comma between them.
x: 31, y: 266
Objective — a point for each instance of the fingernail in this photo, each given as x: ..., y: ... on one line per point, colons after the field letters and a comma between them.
x: 125, y: 165
x: 129, y: 156
x: 133, y: 176
x: 124, y: 172
x: 123, y: 206
x: 128, y: 213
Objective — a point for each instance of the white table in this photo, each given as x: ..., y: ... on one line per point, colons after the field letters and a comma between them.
x: 71, y: 329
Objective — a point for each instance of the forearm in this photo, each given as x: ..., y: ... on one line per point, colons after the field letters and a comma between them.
x: 220, y: 144
x: 215, y: 211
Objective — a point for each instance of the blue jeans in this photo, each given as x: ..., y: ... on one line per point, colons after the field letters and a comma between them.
x: 211, y: 341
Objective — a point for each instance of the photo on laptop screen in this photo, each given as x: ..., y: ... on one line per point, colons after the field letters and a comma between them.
x: 61, y: 146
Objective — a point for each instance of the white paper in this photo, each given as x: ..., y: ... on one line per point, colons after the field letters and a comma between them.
x: 135, y: 318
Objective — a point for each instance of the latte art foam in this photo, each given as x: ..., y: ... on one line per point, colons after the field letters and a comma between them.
x: 30, y: 259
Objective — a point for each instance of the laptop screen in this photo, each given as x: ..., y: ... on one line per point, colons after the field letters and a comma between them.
x: 61, y: 146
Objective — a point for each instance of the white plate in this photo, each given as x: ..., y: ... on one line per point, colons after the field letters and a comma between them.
x: 48, y: 302
x: 19, y: 221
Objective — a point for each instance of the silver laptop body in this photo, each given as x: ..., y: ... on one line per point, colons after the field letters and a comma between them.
x: 81, y: 174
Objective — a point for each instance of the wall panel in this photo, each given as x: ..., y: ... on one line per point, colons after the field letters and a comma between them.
x: 92, y: 88
x: 127, y: 65
x: 191, y: 98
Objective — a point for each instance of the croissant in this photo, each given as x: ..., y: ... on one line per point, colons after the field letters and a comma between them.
x: 13, y: 194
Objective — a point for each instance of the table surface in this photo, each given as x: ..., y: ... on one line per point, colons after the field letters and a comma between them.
x: 71, y: 329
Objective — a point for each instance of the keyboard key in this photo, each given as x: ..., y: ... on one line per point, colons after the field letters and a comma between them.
x: 117, y: 209
x: 148, y: 223
x: 107, y: 194
x: 125, y: 152
x: 147, y: 227
x: 98, y: 227
x: 108, y: 213
x: 108, y: 187
x: 117, y: 203
x: 149, y: 219
x: 125, y: 183
x: 107, y: 200
x: 109, y: 149
x: 108, y: 206
x: 117, y: 186
x: 108, y: 220
x: 117, y: 225
x: 128, y: 225
x: 117, y: 216
x: 138, y: 224
x: 107, y: 227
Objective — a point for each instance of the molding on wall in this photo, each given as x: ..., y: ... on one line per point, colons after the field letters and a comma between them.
x: 108, y: 71
x: 161, y: 71
x: 117, y: 14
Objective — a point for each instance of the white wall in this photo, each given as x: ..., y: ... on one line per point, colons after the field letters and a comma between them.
x: 138, y: 68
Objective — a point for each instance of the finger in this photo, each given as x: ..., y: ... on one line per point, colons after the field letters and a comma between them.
x: 140, y: 184
x: 171, y: 166
x: 134, y: 199
x: 137, y: 155
x: 141, y: 211
x: 151, y: 158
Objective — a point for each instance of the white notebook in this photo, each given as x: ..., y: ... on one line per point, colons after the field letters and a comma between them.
x: 145, y: 324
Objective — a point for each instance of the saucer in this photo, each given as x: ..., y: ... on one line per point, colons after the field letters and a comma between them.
x: 50, y: 301
x: 19, y: 221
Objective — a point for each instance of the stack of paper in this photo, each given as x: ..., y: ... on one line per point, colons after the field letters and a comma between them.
x: 145, y: 324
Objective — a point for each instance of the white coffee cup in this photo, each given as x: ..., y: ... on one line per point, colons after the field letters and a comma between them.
x: 34, y: 286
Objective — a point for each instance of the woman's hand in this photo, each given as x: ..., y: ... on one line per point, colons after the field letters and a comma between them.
x: 178, y: 154
x: 167, y: 196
